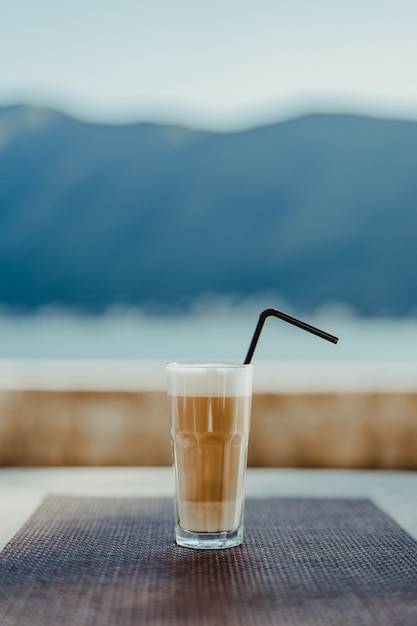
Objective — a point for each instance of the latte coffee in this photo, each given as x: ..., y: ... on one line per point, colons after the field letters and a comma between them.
x: 210, y: 408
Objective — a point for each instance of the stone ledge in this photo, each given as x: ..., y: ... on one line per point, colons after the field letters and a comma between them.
x: 122, y: 428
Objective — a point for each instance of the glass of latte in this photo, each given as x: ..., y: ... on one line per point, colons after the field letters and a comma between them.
x: 210, y: 406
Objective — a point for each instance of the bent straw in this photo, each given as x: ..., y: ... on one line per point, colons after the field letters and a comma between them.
x: 290, y: 320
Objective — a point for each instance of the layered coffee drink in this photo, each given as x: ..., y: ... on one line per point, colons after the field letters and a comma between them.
x: 210, y: 408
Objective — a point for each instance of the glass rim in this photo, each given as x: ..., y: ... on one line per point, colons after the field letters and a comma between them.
x: 208, y: 365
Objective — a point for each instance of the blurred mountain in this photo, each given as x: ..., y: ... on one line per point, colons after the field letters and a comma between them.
x: 320, y: 209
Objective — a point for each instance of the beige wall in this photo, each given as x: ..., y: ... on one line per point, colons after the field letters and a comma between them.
x: 357, y: 430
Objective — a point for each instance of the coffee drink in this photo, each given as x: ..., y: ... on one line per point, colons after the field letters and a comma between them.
x: 210, y: 417
x: 210, y: 438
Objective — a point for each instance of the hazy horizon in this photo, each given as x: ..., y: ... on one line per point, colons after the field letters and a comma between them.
x: 226, y: 66
x: 207, y: 126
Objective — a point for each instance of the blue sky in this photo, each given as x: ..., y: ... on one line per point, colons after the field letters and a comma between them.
x: 222, y: 64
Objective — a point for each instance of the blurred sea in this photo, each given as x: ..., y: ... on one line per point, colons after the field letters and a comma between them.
x: 128, y: 349
x: 222, y: 334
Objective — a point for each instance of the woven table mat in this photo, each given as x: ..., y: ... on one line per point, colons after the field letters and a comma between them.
x: 113, y: 562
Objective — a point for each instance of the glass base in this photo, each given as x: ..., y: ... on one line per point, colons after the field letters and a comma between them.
x: 208, y: 541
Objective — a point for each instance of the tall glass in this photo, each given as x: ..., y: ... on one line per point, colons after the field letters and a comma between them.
x: 210, y: 406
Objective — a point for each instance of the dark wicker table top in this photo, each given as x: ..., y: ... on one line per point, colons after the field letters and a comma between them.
x: 113, y: 561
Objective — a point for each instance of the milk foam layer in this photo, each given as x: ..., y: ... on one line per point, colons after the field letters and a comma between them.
x: 209, y: 379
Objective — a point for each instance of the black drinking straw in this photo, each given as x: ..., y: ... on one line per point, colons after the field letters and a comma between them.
x: 290, y: 320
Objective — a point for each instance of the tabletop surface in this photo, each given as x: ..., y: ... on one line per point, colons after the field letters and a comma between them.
x: 22, y: 490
